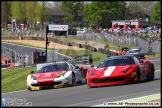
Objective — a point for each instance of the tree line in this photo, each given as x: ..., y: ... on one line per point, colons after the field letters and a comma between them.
x: 100, y: 14
x: 23, y: 12
x: 96, y: 13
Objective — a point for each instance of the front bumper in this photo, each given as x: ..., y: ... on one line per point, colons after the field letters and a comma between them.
x: 115, y: 80
x: 57, y: 83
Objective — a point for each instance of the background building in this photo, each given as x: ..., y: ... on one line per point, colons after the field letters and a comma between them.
x: 57, y: 16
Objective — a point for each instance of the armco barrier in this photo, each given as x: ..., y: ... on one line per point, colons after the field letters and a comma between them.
x: 106, y: 52
x: 84, y: 59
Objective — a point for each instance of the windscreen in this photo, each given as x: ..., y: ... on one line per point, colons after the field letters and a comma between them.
x: 116, y: 61
x: 54, y: 68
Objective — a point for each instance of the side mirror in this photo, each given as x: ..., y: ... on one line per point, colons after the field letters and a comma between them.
x: 141, y: 61
x: 76, y: 67
x: 92, y: 66
x: 31, y: 72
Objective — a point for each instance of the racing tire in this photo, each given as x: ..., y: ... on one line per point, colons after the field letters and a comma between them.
x: 29, y: 88
x: 150, y: 75
x: 73, y: 79
x: 138, y: 74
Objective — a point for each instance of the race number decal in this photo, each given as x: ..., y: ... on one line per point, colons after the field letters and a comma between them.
x: 109, y: 71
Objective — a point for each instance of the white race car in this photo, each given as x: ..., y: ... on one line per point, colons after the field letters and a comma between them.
x: 56, y: 75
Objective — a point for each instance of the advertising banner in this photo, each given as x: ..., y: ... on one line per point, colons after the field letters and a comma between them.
x: 58, y: 27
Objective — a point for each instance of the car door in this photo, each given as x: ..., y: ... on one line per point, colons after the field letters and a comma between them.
x: 146, y: 67
x: 141, y: 66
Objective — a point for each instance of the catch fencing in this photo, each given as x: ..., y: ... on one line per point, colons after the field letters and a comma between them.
x: 122, y: 40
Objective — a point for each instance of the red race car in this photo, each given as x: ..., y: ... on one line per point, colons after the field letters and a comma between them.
x: 122, y: 69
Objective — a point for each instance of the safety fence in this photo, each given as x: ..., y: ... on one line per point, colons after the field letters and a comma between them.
x: 22, y: 56
x: 122, y: 40
x: 137, y: 40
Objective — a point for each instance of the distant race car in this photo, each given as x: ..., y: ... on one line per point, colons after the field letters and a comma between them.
x: 137, y: 51
x: 122, y: 69
x: 56, y: 75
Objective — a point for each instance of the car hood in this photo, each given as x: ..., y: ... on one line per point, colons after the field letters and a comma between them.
x: 109, y: 71
x: 48, y: 75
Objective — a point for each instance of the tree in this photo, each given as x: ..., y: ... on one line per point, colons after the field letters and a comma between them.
x: 134, y: 10
x: 18, y: 10
x: 73, y: 8
x: 30, y: 11
x: 102, y: 13
x: 5, y: 12
x: 143, y: 4
x: 137, y: 9
x: 156, y: 14
x: 41, y: 10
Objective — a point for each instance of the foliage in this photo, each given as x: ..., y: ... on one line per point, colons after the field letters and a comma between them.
x: 31, y: 12
x: 18, y: 11
x: 27, y: 11
x: 103, y: 12
x: 74, y: 9
x: 135, y: 10
x: 156, y: 14
x: 41, y: 10
x: 5, y: 12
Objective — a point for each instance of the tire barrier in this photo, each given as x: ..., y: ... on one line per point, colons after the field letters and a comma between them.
x: 84, y: 59
x: 94, y: 49
x: 79, y: 45
x: 68, y: 44
x: 106, y: 52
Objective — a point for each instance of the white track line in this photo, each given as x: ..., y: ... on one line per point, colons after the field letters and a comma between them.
x: 134, y: 98
x: 113, y: 97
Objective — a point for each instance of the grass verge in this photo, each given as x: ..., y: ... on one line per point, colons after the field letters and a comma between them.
x: 14, y: 79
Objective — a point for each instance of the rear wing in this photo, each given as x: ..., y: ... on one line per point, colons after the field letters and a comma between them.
x: 142, y: 54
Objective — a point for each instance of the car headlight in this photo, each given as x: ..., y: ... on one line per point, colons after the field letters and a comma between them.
x: 126, y: 70
x: 34, y: 78
x: 91, y: 73
x: 61, y: 75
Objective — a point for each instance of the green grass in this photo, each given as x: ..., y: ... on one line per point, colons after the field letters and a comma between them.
x: 14, y: 79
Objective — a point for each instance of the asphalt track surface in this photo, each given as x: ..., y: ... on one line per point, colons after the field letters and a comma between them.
x: 82, y: 95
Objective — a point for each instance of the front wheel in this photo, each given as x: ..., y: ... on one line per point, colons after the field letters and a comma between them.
x: 150, y: 75
x: 138, y: 75
x: 29, y: 88
x: 73, y: 79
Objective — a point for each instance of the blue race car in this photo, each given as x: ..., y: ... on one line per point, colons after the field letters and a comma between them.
x: 136, y: 51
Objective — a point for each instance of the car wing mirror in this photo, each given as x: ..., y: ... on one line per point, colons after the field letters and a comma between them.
x: 92, y: 66
x: 141, y: 61
x: 76, y: 67
x: 32, y: 72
